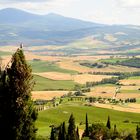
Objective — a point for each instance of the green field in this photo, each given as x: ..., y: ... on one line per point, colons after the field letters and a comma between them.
x: 4, y: 53
x: 43, y: 66
x: 130, y: 91
x: 134, y: 77
x: 62, y: 112
x: 48, y: 84
x: 113, y: 60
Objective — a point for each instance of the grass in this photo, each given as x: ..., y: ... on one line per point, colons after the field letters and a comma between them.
x: 106, y: 85
x: 61, y: 113
x: 138, y: 100
x: 134, y: 78
x: 130, y: 91
x: 43, y: 66
x: 48, y: 84
x: 4, y: 53
x: 113, y: 60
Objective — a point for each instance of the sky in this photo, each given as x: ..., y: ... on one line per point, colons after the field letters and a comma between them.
x: 100, y: 11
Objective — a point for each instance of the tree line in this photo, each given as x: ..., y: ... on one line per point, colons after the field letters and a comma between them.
x: 95, y: 131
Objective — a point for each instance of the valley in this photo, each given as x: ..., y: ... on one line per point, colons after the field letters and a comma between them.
x: 78, y: 67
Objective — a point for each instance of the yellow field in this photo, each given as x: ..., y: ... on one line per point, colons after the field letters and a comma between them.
x: 130, y: 82
x: 130, y: 108
x: 55, y: 75
x: 78, y: 78
x: 83, y: 78
x: 109, y: 91
x: 47, y: 95
x: 71, y: 65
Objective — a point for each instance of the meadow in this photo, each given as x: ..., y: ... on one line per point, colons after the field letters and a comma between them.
x: 55, y: 116
x: 47, y: 66
x: 48, y: 84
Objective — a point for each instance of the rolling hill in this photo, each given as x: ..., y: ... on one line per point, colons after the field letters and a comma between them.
x: 57, y: 30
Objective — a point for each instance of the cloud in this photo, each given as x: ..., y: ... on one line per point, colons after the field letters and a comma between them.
x: 23, y: 1
x: 129, y: 3
x: 37, y: 6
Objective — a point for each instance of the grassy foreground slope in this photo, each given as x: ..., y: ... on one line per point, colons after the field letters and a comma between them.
x: 123, y: 120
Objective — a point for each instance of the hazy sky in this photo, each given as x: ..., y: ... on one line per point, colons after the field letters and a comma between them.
x: 102, y: 11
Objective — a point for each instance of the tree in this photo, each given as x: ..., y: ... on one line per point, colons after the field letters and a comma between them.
x: 4, y: 113
x: 115, y: 133
x: 86, y: 129
x: 108, y: 124
x: 52, y: 134
x: 77, y: 134
x: 63, y: 131
x: 60, y: 133
x: 20, y: 108
x: 71, y: 128
x: 138, y: 132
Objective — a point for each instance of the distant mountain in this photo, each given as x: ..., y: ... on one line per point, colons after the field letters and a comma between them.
x: 20, y: 26
x: 51, y: 21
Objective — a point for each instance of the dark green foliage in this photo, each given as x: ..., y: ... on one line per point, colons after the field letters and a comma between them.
x: 86, y: 129
x: 17, y: 89
x: 93, y: 65
x: 99, y: 131
x: 63, y: 131
x: 115, y: 133
x: 4, y: 114
x: 77, y: 133
x: 133, y: 62
x: 112, y: 80
x: 53, y: 137
x: 108, y: 124
x: 71, y: 128
x: 129, y: 137
x: 60, y: 133
x: 138, y: 132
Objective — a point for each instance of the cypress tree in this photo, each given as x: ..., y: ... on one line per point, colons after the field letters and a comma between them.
x: 71, y: 128
x: 87, y: 128
x: 115, y: 133
x: 60, y: 133
x: 63, y: 131
x: 52, y: 134
x: 21, y: 109
x: 108, y: 124
x: 77, y: 134
x: 138, y: 133
x: 4, y: 113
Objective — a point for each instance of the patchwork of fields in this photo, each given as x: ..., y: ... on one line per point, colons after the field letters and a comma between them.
x: 56, y: 76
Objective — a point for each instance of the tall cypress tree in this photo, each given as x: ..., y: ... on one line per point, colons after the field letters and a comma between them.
x: 60, y: 133
x: 21, y: 110
x: 71, y: 128
x: 4, y: 113
x: 108, y: 124
x: 77, y: 134
x: 52, y: 134
x: 138, y: 132
x: 63, y: 131
x: 86, y: 129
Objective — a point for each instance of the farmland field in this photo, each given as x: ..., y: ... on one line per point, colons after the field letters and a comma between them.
x: 48, y: 84
x: 56, y: 76
x: 44, y: 66
x: 74, y: 77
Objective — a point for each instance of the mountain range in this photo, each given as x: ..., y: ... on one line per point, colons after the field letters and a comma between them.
x: 38, y: 30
